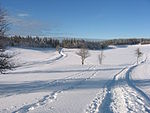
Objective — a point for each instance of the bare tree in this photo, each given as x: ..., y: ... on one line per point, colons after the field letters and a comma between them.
x: 100, y: 57
x: 138, y: 54
x: 3, y: 22
x: 58, y: 48
x: 5, y: 59
x: 83, y: 53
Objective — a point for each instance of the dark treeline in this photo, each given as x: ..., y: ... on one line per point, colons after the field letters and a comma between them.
x: 123, y: 41
x: 20, y: 41
x: 79, y: 43
x: 132, y: 41
x: 145, y: 41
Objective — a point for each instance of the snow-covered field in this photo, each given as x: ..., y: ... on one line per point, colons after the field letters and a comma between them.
x: 49, y: 82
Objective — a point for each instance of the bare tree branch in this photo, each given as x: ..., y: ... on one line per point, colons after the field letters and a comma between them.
x: 138, y: 54
x: 83, y: 53
x: 5, y: 58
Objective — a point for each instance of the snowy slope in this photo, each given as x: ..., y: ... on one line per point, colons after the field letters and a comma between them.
x: 49, y: 82
x: 141, y: 73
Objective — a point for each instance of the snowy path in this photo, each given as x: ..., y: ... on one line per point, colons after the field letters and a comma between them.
x: 50, y: 60
x: 126, y: 98
x: 120, y: 96
x: 77, y: 78
x: 103, y: 99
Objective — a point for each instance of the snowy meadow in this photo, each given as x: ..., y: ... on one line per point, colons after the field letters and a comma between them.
x: 48, y: 81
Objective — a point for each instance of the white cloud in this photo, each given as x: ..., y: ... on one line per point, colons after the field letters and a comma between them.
x: 22, y: 26
x: 29, y: 26
x: 23, y: 15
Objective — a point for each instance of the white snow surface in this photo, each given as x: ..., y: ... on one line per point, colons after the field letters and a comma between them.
x: 52, y: 82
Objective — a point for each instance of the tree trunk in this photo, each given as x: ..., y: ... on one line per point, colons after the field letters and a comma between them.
x: 82, y: 62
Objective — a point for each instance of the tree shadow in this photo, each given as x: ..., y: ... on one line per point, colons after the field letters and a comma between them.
x: 44, y: 50
x: 65, y: 71
x: 47, y: 86
x: 142, y: 83
x: 61, y: 84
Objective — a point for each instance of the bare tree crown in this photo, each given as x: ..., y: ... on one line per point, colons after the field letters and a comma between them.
x: 83, y: 53
x: 5, y: 59
x: 138, y: 54
x: 3, y: 22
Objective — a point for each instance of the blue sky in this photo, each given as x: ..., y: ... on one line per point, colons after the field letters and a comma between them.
x: 100, y: 19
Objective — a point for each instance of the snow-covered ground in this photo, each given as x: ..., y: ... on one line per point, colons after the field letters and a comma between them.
x: 49, y: 82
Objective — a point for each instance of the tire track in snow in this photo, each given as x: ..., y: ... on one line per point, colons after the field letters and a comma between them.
x: 102, y: 100
x: 130, y: 83
x: 116, y: 98
x: 53, y: 95
x: 139, y: 101
x: 126, y: 98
